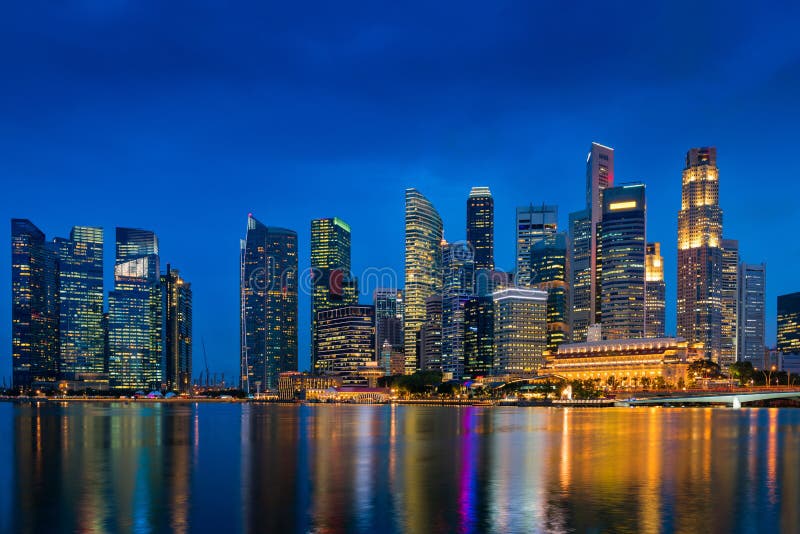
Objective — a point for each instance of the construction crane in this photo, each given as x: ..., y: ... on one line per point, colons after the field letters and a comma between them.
x: 205, y: 359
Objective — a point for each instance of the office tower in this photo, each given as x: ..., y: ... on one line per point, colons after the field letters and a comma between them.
x: 478, y: 336
x: 135, y: 313
x: 458, y: 281
x: 330, y: 268
x: 345, y: 338
x: 655, y: 292
x: 178, y: 334
x: 80, y: 280
x: 520, y: 330
x: 388, y: 305
x: 534, y: 223
x: 480, y: 227
x: 549, y: 273
x: 789, y: 323
x: 751, y: 319
x: 700, y: 253
x: 580, y: 264
x: 429, y: 336
x: 621, y: 263
x: 423, y: 266
x: 730, y: 299
x: 268, y: 289
x: 34, y: 308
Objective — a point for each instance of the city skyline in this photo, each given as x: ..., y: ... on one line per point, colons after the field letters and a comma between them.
x: 344, y: 133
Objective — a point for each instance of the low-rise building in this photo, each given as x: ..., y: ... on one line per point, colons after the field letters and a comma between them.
x: 294, y: 385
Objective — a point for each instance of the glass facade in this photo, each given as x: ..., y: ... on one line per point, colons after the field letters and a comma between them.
x: 789, y: 323
x: 429, y: 337
x: 580, y: 232
x: 730, y: 300
x: 750, y: 343
x: 268, y: 299
x: 520, y: 330
x: 388, y: 317
x: 478, y: 336
x: 655, y: 292
x: 599, y: 177
x: 178, y: 337
x: 480, y: 227
x: 533, y: 223
x: 346, y: 339
x: 549, y: 273
x: 458, y: 281
x: 423, y: 266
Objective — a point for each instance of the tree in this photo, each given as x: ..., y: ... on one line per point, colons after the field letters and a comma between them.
x: 741, y: 371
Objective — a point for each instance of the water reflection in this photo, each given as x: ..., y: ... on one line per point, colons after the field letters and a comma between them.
x: 185, y: 467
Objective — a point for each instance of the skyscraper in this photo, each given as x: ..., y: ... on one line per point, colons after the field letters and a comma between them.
x: 700, y: 253
x: 751, y: 320
x: 429, y: 336
x: 82, y: 345
x: 478, y: 336
x: 533, y: 224
x: 789, y: 323
x: 599, y: 177
x: 480, y: 227
x: 520, y: 330
x: 330, y: 267
x: 549, y: 272
x: 655, y: 293
x: 178, y: 332
x: 34, y: 308
x: 346, y: 339
x: 135, y: 313
x: 458, y: 281
x: 423, y: 266
x: 730, y: 300
x: 621, y: 262
x: 580, y: 263
x: 268, y: 289
x: 388, y: 305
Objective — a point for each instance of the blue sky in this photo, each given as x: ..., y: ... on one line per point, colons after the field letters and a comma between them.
x: 183, y: 118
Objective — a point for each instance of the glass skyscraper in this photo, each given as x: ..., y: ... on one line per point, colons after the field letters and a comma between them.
x: 82, y: 345
x: 655, y: 293
x: 580, y: 294
x: 34, y: 308
x: 423, y: 266
x: 751, y: 320
x: 458, y: 281
x: 789, y: 323
x: 533, y: 223
x: 520, y: 326
x: 549, y: 273
x: 621, y: 262
x: 478, y: 336
x: 178, y: 333
x: 388, y: 304
x: 730, y: 300
x: 136, y: 313
x: 268, y: 300
x: 480, y: 227
x: 346, y: 339
x: 429, y: 336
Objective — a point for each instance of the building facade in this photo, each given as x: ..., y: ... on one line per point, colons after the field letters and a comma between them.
x: 346, y: 339
x: 533, y: 223
x: 520, y: 331
x: 655, y: 293
x: 478, y: 336
x: 429, y: 337
x: 480, y: 227
x: 549, y: 272
x: 699, y: 303
x: 789, y: 323
x: 178, y: 333
x: 580, y: 275
x: 423, y: 266
x: 388, y: 304
x: 730, y: 301
x: 268, y: 300
x: 751, y: 321
x: 458, y: 281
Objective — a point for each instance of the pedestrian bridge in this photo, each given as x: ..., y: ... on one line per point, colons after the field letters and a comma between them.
x: 734, y: 400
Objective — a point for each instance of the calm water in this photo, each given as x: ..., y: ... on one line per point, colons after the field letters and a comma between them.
x: 234, y: 468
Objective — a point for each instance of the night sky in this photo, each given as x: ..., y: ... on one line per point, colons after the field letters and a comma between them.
x: 183, y: 117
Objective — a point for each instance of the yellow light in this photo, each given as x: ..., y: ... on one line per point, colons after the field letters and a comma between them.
x: 614, y: 206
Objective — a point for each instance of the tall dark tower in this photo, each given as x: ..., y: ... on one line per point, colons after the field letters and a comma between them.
x: 480, y: 227
x: 178, y: 335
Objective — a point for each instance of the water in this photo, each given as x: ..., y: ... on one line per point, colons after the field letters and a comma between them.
x: 114, y: 467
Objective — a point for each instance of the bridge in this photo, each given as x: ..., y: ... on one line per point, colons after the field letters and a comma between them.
x: 734, y: 400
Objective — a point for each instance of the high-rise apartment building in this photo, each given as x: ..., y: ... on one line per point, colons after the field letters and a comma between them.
x: 730, y: 300
x: 750, y: 343
x: 458, y: 281
x: 533, y: 223
x: 621, y: 261
x: 520, y: 330
x: 549, y: 272
x: 480, y: 227
x: 423, y: 266
x: 700, y: 253
x: 655, y: 293
x: 789, y: 323
x: 268, y: 291
x: 178, y: 331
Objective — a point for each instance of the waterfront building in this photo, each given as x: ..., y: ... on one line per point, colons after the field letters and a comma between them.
x: 655, y: 292
x: 549, y: 272
x: 520, y: 330
x: 533, y: 223
x: 80, y: 288
x: 789, y: 323
x: 580, y: 263
x: 34, y: 308
x: 178, y: 332
x: 648, y: 362
x: 730, y: 300
x: 345, y: 339
x: 293, y: 384
x: 268, y: 299
x: 333, y: 285
x: 429, y: 336
x: 480, y: 227
x: 136, y: 313
x: 699, y: 304
x: 478, y: 336
x: 423, y: 267
x: 388, y: 304
x: 458, y: 281
x: 621, y: 261
x: 751, y: 307
x: 599, y: 177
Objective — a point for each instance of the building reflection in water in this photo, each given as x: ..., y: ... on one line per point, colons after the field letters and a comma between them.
x: 324, y: 468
